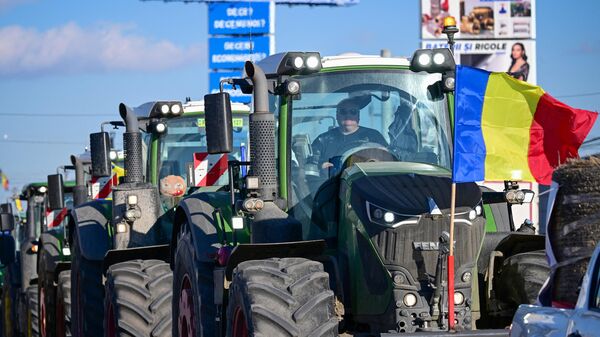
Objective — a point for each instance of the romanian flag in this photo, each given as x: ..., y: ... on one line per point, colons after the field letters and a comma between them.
x: 508, y: 129
x: 4, y: 180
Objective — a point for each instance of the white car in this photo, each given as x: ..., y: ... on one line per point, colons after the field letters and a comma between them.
x: 583, y: 320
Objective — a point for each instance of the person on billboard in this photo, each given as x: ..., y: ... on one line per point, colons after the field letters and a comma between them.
x: 519, y: 68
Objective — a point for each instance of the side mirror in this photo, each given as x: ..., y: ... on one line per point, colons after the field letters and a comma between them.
x: 219, y: 129
x: 100, y: 149
x: 56, y: 197
x: 7, y: 220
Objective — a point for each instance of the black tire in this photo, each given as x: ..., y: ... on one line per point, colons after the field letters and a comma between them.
x: 48, y: 258
x: 47, y: 290
x: 521, y: 278
x: 63, y: 304
x: 87, y: 295
x: 281, y: 297
x: 199, y: 277
x: 32, y: 312
x: 8, y: 309
x: 138, y: 299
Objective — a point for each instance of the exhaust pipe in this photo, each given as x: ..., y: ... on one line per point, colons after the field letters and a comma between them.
x: 80, y: 190
x: 132, y: 142
x: 262, y: 135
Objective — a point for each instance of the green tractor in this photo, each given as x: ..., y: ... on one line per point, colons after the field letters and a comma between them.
x: 54, y: 255
x: 314, y: 241
x: 120, y: 273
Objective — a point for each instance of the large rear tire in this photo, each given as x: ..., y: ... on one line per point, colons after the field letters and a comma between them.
x: 32, y: 312
x: 193, y: 291
x: 63, y: 305
x: 87, y: 295
x: 281, y: 297
x: 47, y: 301
x: 521, y: 278
x: 138, y: 299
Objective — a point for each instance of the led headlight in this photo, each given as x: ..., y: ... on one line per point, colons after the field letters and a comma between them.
x: 410, y: 300
x: 424, y: 59
x: 113, y: 155
x: 385, y: 217
x: 42, y: 189
x: 292, y: 87
x: 459, y: 298
x: 160, y: 127
x: 312, y: 62
x: 298, y: 62
x: 472, y: 214
x: 478, y: 209
x: 466, y: 276
x: 389, y: 217
x: 164, y: 109
x: 438, y: 58
x: 176, y: 109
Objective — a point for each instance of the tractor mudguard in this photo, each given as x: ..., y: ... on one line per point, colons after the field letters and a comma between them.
x: 92, y: 222
x: 50, y: 253
x: 509, y: 243
x: 156, y: 252
x: 198, y: 211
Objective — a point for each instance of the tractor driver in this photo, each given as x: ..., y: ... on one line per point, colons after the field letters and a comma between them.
x: 332, y: 142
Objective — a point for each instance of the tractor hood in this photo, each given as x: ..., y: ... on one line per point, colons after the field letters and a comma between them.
x: 397, y: 213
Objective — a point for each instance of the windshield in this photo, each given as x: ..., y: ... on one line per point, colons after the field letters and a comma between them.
x: 182, y: 150
x: 366, y: 115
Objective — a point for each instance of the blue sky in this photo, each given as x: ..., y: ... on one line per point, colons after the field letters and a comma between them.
x: 85, y: 57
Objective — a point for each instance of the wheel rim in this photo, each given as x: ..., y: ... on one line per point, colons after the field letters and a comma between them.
x: 42, y: 317
x: 240, y: 329
x: 111, y: 329
x: 186, y: 319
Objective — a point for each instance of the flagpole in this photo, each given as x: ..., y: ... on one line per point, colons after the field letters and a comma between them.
x: 451, y: 261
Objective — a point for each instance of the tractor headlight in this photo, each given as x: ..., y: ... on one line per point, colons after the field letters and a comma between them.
x: 385, y: 217
x: 410, y: 300
x: 292, y: 87
x: 113, y: 155
x: 478, y: 209
x: 466, y: 276
x: 472, y: 214
x: 164, y: 109
x: 42, y: 189
x: 312, y: 62
x: 459, y: 298
x: 298, y: 62
x: 439, y: 58
x: 424, y: 60
x: 176, y: 109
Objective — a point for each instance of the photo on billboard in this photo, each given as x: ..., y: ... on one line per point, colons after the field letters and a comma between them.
x: 479, y: 19
x: 516, y: 57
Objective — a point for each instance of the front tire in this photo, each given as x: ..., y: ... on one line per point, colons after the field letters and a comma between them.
x: 87, y: 295
x: 281, y: 297
x: 521, y: 278
x: 63, y: 305
x: 193, y: 291
x: 32, y: 312
x: 138, y: 299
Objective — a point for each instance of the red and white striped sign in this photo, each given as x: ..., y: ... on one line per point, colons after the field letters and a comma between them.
x: 55, y: 218
x: 210, y: 169
x: 101, y: 188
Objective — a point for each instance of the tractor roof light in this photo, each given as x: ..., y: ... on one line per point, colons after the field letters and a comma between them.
x: 519, y: 196
x: 113, y: 155
x: 176, y: 109
x: 291, y: 63
x: 42, y: 189
x: 159, y: 109
x: 439, y: 60
x: 164, y: 109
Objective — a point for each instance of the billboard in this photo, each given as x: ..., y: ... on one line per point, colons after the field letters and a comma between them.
x: 232, y: 52
x: 480, y: 19
x: 239, y: 18
x: 516, y: 57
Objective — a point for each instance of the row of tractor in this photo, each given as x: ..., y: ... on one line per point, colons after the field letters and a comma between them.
x: 219, y: 219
